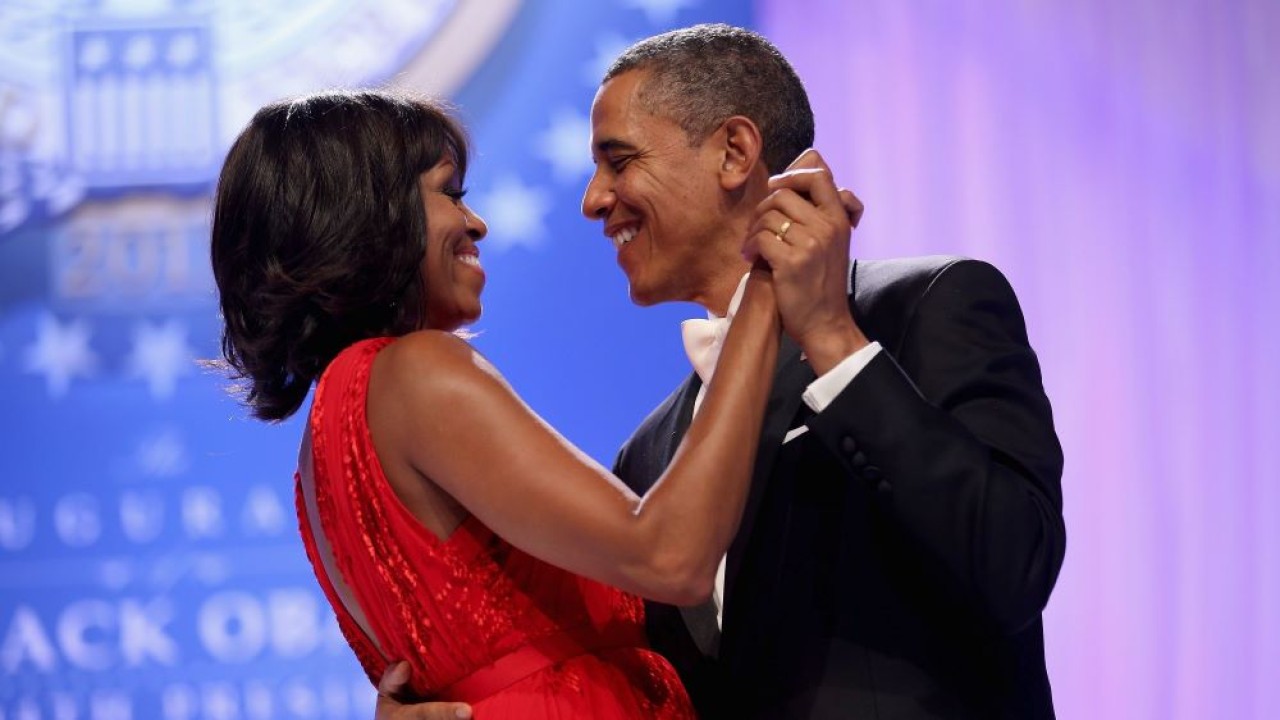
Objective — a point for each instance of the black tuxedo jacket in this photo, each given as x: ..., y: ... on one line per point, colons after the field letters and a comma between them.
x: 893, y: 560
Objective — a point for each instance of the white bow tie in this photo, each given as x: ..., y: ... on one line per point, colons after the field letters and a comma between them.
x: 704, y: 338
x: 702, y: 342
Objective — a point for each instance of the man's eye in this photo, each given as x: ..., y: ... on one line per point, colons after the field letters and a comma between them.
x: 617, y: 163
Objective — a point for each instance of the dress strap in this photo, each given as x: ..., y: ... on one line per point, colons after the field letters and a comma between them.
x: 538, y: 655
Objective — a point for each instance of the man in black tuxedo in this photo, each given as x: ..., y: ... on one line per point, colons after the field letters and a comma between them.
x: 904, y: 527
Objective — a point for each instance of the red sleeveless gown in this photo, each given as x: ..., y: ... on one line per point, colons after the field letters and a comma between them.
x: 477, y: 619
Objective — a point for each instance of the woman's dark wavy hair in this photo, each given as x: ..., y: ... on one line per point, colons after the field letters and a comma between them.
x: 319, y: 234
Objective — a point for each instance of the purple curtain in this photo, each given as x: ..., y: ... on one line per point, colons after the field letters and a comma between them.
x: 1121, y: 163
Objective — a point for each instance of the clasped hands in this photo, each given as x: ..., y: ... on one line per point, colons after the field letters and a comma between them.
x: 801, y: 230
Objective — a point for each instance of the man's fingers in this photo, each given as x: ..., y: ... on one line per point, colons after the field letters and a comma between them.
x: 797, y: 209
x: 809, y: 159
x: 767, y: 246
x: 852, y: 206
x: 810, y: 176
x: 813, y: 183
x: 771, y: 224
x: 772, y: 221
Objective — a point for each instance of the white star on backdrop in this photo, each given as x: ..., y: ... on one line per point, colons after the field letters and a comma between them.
x: 661, y: 12
x: 160, y: 356
x: 515, y: 212
x: 608, y: 47
x: 60, y: 353
x: 567, y: 145
x: 162, y: 454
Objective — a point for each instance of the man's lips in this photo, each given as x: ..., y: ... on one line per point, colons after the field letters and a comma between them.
x: 622, y: 234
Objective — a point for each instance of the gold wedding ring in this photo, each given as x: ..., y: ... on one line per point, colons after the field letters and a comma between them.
x: 782, y: 231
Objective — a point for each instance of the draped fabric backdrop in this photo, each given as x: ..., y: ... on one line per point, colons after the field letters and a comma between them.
x: 1118, y: 160
x: 1121, y: 163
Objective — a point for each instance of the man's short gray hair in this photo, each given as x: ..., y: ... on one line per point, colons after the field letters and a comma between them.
x: 702, y: 75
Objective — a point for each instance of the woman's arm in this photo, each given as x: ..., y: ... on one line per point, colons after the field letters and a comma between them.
x: 441, y: 414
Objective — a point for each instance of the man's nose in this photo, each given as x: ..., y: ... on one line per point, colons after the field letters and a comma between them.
x: 597, y: 199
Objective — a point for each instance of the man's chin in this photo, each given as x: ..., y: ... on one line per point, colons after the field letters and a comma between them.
x: 643, y: 297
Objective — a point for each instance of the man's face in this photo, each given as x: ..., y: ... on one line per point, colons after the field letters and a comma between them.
x: 658, y: 196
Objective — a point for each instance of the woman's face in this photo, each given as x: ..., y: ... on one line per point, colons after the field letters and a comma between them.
x: 451, y: 268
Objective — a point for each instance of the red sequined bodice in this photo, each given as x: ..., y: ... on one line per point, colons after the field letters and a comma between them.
x: 477, y: 619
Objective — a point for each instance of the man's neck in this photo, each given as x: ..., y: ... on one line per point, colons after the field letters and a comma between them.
x: 728, y: 266
x: 721, y: 288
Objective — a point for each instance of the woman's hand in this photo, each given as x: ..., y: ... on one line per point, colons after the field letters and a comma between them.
x: 393, y: 684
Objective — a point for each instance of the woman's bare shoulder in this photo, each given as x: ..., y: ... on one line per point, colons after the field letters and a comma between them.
x: 434, y: 362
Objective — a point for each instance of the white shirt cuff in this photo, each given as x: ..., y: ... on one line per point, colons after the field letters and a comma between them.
x: 822, y: 391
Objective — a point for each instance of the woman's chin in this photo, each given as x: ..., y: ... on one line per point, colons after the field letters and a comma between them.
x: 456, y: 320
x: 473, y: 317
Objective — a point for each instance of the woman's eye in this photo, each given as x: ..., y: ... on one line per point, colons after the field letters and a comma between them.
x: 455, y: 194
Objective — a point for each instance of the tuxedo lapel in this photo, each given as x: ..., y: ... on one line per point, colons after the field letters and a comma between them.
x: 675, y: 425
x: 790, y: 378
x: 699, y: 620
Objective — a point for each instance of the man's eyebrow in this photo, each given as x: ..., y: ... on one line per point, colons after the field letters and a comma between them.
x: 609, y: 145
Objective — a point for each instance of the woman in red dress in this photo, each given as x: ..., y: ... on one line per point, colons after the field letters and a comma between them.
x: 449, y: 526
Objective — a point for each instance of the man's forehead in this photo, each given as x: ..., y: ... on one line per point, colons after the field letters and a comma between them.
x: 619, y: 118
x: 615, y: 95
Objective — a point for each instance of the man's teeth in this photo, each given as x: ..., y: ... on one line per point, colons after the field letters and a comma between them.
x: 623, y: 237
x: 470, y: 259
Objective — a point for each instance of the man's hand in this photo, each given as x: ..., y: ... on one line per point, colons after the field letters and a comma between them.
x: 392, y: 686
x: 802, y: 230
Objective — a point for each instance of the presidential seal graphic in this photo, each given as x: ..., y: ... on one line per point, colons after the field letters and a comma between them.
x: 107, y: 98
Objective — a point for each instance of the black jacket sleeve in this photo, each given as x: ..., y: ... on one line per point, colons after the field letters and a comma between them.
x: 951, y: 426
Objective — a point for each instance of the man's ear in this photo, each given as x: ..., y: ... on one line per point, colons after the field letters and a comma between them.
x: 742, y: 149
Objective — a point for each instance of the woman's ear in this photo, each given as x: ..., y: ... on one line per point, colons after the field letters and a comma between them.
x: 742, y: 149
